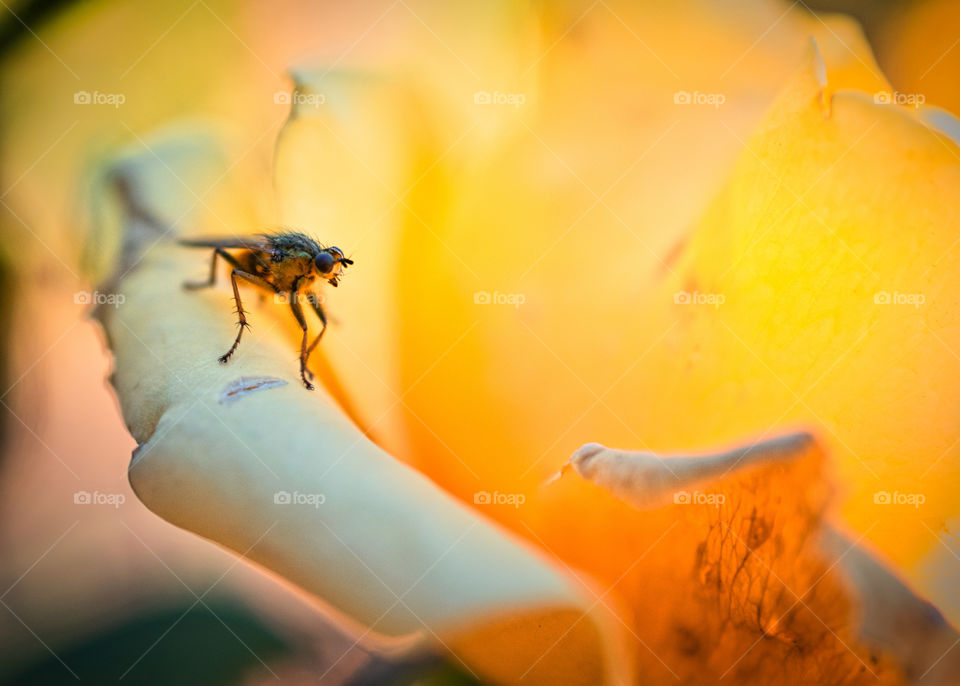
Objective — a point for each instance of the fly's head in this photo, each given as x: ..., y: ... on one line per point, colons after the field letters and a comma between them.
x: 330, y: 264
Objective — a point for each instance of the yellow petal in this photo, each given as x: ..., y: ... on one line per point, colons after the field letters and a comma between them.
x: 831, y: 248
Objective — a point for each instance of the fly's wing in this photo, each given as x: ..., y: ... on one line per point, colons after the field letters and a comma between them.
x: 261, y: 243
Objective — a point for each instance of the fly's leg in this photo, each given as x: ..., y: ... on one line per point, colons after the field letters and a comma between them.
x: 315, y: 303
x: 297, y: 309
x: 242, y: 323
x: 227, y: 257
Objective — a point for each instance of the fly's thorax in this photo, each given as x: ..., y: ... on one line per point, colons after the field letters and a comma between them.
x: 291, y: 269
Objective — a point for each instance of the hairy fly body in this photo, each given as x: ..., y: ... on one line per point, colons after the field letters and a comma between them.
x: 286, y: 263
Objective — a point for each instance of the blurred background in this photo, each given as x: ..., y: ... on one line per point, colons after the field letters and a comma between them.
x: 92, y: 585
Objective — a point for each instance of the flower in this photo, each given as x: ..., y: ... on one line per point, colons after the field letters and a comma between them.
x: 596, y: 231
x: 571, y: 227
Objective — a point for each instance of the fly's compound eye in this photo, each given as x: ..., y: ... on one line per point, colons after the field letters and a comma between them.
x: 325, y: 262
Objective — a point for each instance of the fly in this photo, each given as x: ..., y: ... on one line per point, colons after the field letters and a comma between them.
x: 286, y: 263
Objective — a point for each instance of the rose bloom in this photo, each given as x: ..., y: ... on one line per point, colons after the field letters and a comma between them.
x: 666, y: 228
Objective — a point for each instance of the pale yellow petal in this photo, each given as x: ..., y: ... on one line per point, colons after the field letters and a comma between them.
x: 243, y: 455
